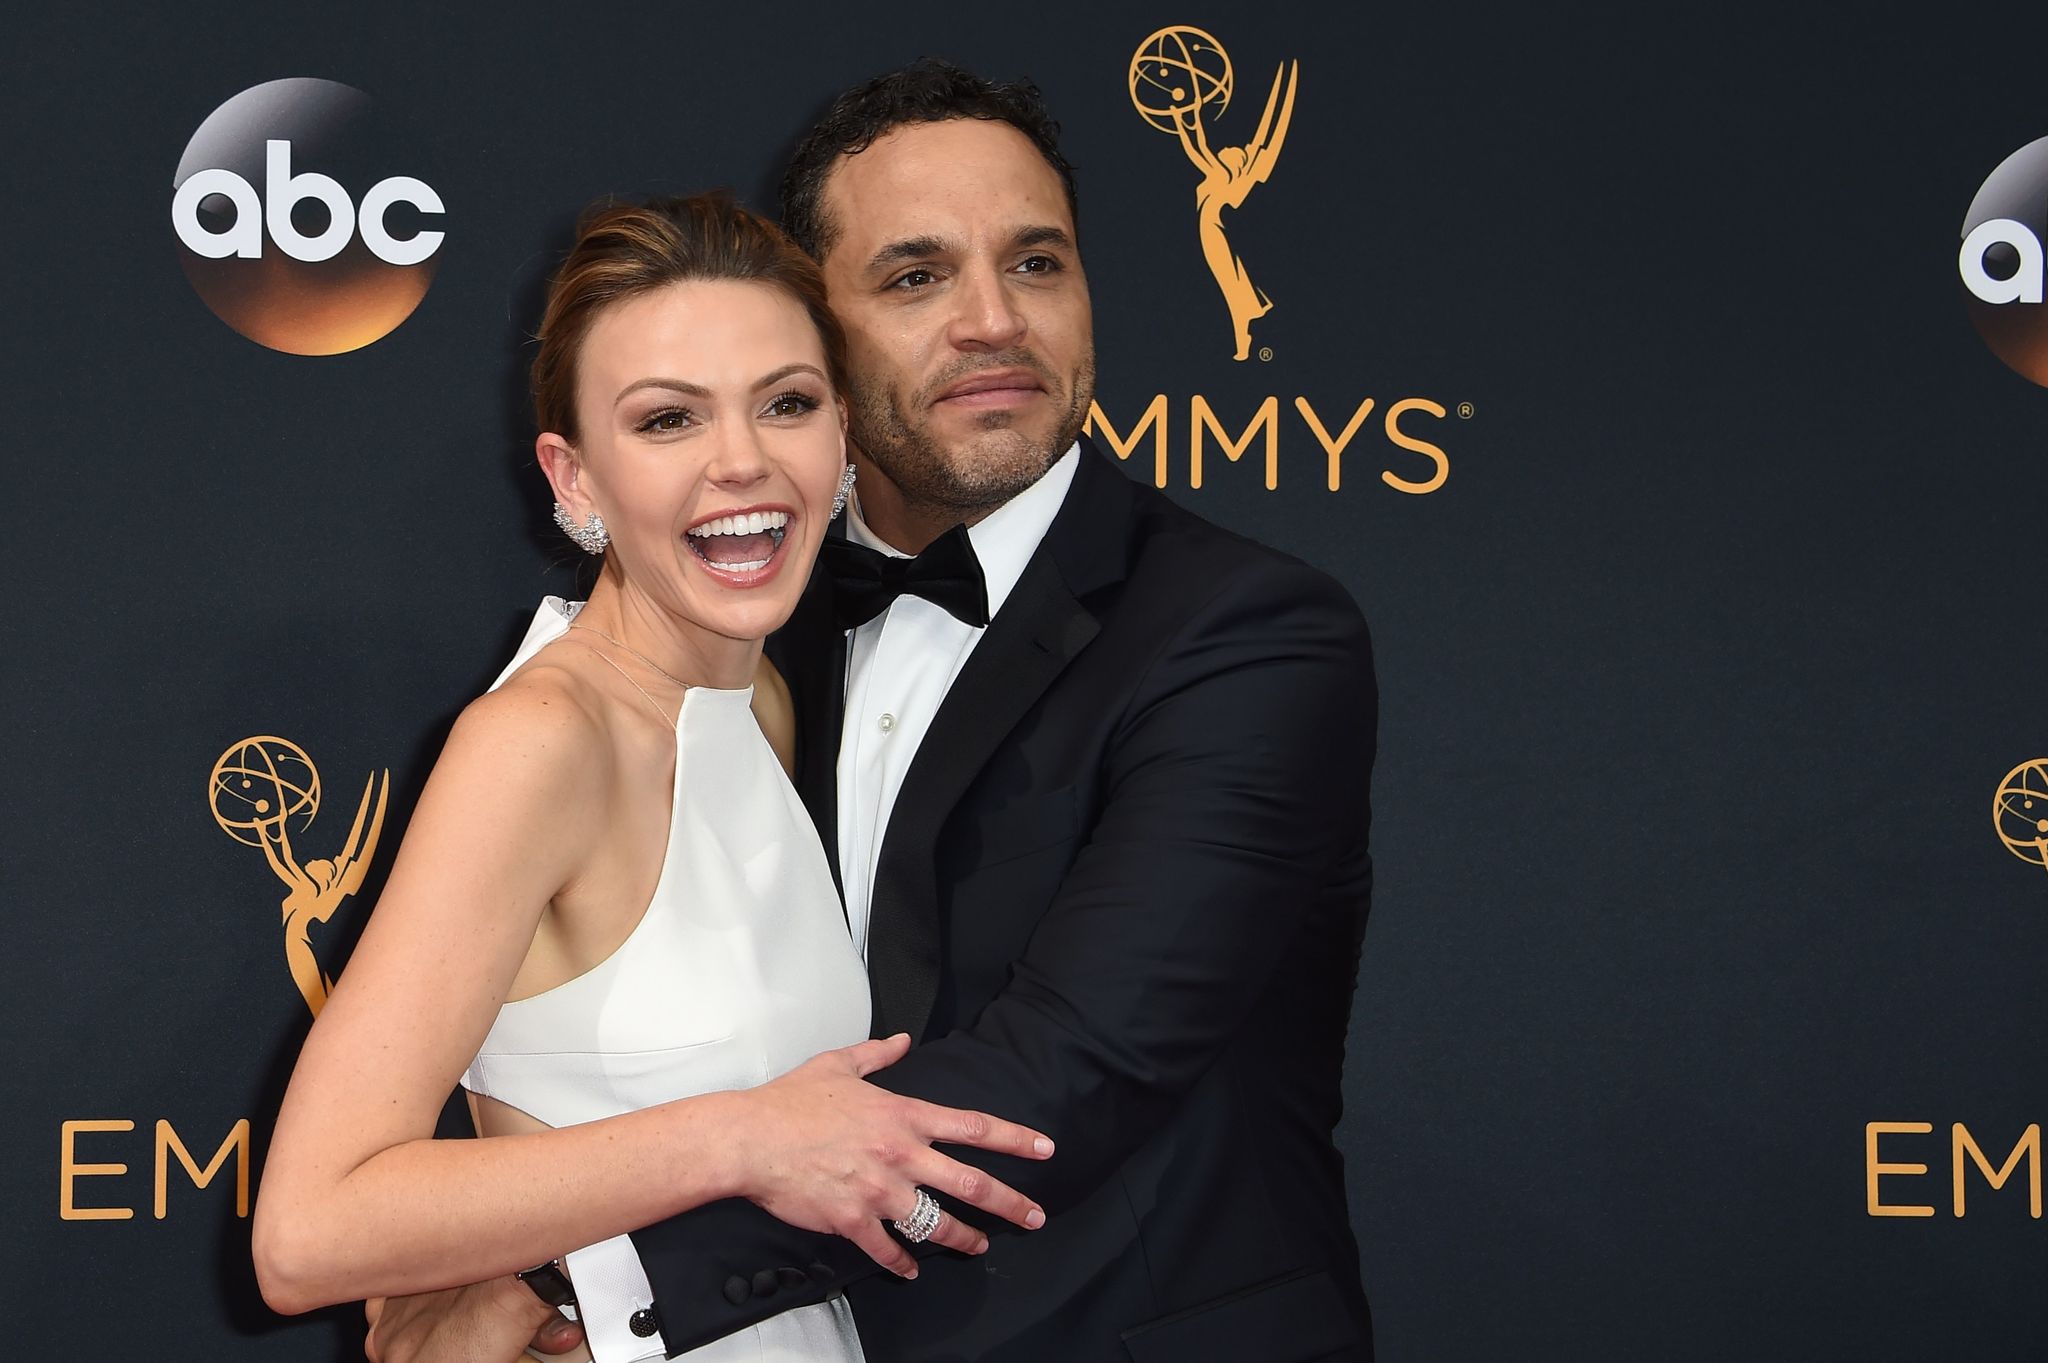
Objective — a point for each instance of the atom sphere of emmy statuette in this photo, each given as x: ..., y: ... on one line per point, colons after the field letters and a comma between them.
x: 1181, y: 78
x: 2019, y: 812
x: 257, y: 790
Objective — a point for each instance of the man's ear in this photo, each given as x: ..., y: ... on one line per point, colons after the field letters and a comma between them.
x: 849, y: 449
x: 563, y: 466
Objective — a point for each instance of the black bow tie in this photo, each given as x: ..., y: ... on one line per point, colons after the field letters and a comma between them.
x: 947, y: 574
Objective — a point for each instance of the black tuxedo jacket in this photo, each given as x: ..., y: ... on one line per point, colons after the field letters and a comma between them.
x: 1120, y: 899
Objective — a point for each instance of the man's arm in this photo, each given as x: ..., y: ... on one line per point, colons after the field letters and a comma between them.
x: 1236, y: 804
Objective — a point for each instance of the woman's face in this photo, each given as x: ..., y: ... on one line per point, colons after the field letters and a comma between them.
x: 712, y: 442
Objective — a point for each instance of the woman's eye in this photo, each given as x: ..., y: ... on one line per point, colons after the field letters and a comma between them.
x: 667, y: 419
x: 791, y: 404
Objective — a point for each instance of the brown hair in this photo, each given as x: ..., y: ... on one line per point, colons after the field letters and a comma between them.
x: 625, y: 249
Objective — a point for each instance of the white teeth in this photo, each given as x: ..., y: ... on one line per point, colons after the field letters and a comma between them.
x: 752, y: 524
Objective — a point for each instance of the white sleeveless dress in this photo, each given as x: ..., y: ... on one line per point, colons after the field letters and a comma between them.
x: 740, y: 970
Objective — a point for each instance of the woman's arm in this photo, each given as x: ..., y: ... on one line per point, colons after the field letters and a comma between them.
x: 358, y: 1200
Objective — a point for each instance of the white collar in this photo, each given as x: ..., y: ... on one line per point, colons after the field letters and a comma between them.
x: 1005, y: 539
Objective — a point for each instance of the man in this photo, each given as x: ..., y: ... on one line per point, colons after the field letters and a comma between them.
x: 1100, y: 818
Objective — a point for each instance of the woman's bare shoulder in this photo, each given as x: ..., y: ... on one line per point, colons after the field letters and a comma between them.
x: 546, y: 722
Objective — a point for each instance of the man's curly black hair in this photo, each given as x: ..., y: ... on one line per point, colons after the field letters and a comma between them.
x: 929, y: 90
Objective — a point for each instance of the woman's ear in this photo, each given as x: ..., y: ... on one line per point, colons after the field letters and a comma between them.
x: 564, y: 469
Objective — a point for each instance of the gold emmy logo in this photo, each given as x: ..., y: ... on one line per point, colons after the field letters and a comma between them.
x: 2020, y: 811
x: 1178, y: 76
x: 257, y: 789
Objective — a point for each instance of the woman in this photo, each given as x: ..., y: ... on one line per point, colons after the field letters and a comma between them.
x: 610, y: 898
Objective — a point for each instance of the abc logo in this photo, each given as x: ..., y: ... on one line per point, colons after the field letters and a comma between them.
x: 292, y: 225
x: 2001, y: 261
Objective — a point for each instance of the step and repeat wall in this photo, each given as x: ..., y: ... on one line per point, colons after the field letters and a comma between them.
x: 1673, y: 398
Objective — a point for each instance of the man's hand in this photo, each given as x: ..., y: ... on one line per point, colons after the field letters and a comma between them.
x: 489, y: 1322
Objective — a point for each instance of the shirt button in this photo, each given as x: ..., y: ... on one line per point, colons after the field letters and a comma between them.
x: 886, y: 723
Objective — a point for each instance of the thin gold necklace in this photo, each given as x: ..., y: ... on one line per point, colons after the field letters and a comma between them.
x: 613, y: 664
x: 628, y: 648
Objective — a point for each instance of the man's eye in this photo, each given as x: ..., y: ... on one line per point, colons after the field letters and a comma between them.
x: 667, y: 419
x: 914, y: 279
x: 1038, y: 265
x: 791, y: 403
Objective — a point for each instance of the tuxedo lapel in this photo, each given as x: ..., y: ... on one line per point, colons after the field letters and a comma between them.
x: 1038, y: 631
x: 810, y: 650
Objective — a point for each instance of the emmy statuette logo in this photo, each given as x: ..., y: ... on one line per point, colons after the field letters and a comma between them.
x: 261, y: 792
x: 2019, y: 812
x: 258, y: 789
x: 1181, y: 79
x: 1181, y: 82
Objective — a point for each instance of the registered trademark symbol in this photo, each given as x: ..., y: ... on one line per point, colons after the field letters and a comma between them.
x: 1265, y: 352
x: 1465, y: 411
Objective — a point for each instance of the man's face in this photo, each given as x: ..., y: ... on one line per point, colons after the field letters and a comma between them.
x: 970, y: 339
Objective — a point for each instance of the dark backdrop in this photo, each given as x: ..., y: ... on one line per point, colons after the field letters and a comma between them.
x: 1700, y: 669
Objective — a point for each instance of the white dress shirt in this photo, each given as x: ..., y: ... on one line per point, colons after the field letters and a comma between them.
x: 899, y: 667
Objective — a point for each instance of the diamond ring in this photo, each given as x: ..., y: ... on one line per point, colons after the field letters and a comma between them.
x: 922, y: 1221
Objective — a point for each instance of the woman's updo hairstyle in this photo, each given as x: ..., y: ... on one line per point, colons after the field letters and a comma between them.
x: 624, y: 249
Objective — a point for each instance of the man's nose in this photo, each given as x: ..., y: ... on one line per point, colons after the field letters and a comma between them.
x: 987, y: 316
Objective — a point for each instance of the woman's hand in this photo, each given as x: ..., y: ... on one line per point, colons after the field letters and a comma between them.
x: 488, y: 1322
x: 824, y: 1150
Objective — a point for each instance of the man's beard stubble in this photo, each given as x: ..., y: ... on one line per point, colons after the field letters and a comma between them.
x: 995, y: 470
